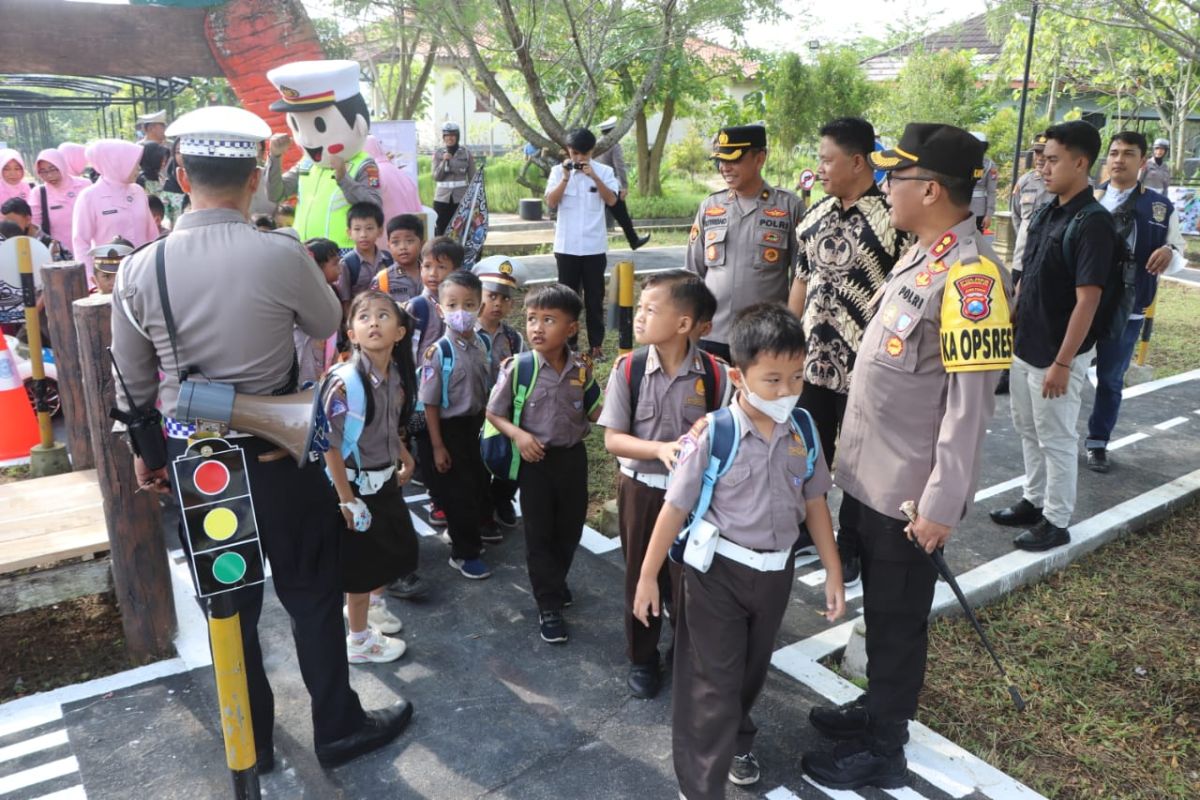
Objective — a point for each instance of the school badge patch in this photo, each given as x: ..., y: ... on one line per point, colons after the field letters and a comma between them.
x: 1158, y: 211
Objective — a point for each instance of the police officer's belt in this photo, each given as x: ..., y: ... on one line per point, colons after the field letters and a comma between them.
x: 451, y: 184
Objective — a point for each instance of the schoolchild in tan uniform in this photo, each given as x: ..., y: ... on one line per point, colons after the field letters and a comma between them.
x: 454, y: 408
x: 373, y: 474
x: 730, y: 614
x: 672, y: 397
x: 554, y: 422
x: 500, y: 276
x: 405, y: 240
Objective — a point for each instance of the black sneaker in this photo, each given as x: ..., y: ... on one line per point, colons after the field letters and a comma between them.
x: 505, y: 514
x: 1043, y: 536
x: 409, y: 587
x: 553, y: 627
x: 1097, y: 459
x: 854, y: 764
x: 568, y: 598
x: 1022, y: 512
x: 490, y: 534
x: 638, y: 242
x: 644, y: 680
x: 744, y: 770
x: 1002, y: 384
x: 846, y: 721
x: 851, y: 570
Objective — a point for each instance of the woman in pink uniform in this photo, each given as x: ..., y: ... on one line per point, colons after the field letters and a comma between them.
x: 397, y: 186
x: 114, y: 205
x: 13, y: 182
x: 76, y: 157
x: 54, y: 201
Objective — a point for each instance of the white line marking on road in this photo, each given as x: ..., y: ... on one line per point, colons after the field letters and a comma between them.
x: 16, y: 722
x: 999, y: 488
x: 73, y: 793
x: 836, y: 794
x: 917, y: 763
x: 37, y: 743
x: 781, y: 793
x: 905, y: 793
x: 814, y: 578
x: 1127, y: 440
x: 39, y: 774
x: 804, y: 561
x: 420, y: 526
x: 1171, y: 423
x: 597, y: 542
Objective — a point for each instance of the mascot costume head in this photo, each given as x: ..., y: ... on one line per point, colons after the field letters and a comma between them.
x: 328, y: 118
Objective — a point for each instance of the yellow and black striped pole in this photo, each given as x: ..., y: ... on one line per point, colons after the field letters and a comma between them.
x: 1147, y: 331
x: 233, y: 695
x: 624, y: 306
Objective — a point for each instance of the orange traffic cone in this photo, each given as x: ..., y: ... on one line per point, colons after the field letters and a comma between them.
x: 18, y: 424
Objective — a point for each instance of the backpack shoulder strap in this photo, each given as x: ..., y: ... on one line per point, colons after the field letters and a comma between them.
x: 525, y: 372
x: 486, y: 338
x: 515, y: 343
x: 712, y: 381
x: 382, y: 278
x: 446, y: 356
x: 1073, y: 227
x: 723, y: 437
x: 356, y: 402
x: 802, y: 423
x: 419, y: 308
x: 635, y: 371
x: 354, y: 262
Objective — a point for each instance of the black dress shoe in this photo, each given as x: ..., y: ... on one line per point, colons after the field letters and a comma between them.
x: 1042, y: 536
x: 1097, y: 459
x: 1002, y: 384
x: 266, y: 759
x: 638, y: 242
x: 846, y: 721
x: 854, y: 764
x: 380, y: 727
x: 1022, y: 512
x: 644, y: 680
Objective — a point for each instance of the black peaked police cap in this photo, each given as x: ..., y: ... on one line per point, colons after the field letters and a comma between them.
x: 944, y: 149
x: 733, y: 142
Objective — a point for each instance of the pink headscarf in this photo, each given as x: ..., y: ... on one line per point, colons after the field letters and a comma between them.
x: 21, y: 187
x: 397, y: 186
x: 114, y: 159
x: 60, y: 199
x: 113, y: 205
x: 76, y: 157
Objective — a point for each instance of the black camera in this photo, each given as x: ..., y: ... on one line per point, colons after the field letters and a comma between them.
x: 570, y: 165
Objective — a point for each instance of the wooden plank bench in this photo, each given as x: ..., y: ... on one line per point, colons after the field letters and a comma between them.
x: 51, y: 531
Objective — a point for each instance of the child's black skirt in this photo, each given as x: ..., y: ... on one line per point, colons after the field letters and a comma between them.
x: 386, y: 551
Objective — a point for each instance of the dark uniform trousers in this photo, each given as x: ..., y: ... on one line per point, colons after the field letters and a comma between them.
x: 898, y: 583
x: 620, y: 212
x: 554, y: 496
x: 724, y: 638
x: 445, y: 212
x: 502, y: 491
x: 301, y: 540
x: 585, y: 274
x: 637, y: 509
x: 827, y: 409
x: 463, y: 491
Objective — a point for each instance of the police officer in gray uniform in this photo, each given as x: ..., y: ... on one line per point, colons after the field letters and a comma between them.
x: 1029, y: 195
x: 1156, y: 174
x: 983, y: 198
x: 244, y: 338
x: 615, y: 158
x: 453, y: 167
x: 743, y: 242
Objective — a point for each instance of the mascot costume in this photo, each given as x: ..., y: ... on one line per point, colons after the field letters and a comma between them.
x: 328, y: 118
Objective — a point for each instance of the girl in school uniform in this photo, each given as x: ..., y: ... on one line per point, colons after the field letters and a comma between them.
x: 374, y: 472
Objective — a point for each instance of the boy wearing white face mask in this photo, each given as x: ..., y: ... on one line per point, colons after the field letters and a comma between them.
x: 454, y: 389
x: 725, y: 630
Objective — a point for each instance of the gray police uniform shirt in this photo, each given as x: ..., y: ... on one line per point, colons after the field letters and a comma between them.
x: 379, y: 442
x: 668, y: 406
x: 614, y: 157
x: 983, y: 196
x: 468, y: 392
x: 450, y: 178
x: 761, y: 501
x: 236, y: 294
x: 745, y: 250
x: 1156, y: 176
x: 1029, y: 195
x: 913, y: 431
x: 355, y: 188
x: 554, y: 411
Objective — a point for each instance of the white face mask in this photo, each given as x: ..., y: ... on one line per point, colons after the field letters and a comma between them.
x: 779, y: 409
x: 461, y: 321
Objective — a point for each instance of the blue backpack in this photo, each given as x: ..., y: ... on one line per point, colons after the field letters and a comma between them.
x: 446, y: 360
x: 724, y: 435
x: 501, y: 458
x: 356, y: 412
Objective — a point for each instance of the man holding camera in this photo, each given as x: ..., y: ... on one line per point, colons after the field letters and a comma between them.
x: 581, y: 189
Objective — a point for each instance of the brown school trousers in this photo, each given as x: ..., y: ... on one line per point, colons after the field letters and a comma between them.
x: 637, y: 510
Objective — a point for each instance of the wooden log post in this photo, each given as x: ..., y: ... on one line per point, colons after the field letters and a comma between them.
x: 64, y: 282
x: 141, y: 574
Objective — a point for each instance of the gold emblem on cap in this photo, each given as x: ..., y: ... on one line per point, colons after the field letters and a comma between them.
x: 288, y: 92
x: 723, y: 138
x: 506, y: 268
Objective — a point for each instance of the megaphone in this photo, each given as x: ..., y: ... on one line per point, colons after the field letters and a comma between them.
x: 286, y: 420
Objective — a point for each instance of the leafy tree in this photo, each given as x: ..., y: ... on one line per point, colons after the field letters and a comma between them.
x: 942, y: 87
x: 691, y: 155
x: 401, y: 43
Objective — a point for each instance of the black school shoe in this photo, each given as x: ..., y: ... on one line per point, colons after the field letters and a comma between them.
x: 644, y: 680
x: 1043, y: 536
x: 854, y: 764
x: 1022, y: 512
x: 410, y: 587
x: 1097, y: 459
x: 490, y: 534
x: 379, y: 727
x: 851, y: 570
x: 847, y: 721
x: 505, y: 514
x: 553, y: 627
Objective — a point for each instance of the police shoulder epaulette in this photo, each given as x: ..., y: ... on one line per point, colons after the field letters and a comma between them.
x: 431, y: 351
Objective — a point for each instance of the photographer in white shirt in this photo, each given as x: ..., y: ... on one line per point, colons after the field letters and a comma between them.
x: 581, y: 189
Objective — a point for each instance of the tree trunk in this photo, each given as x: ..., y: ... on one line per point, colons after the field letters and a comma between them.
x: 643, y: 152
x: 654, y: 179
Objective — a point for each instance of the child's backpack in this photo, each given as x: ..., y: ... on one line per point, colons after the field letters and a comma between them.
x: 724, y: 435
x: 356, y: 406
x: 446, y: 358
x: 501, y: 458
x: 353, y: 262
x: 635, y: 371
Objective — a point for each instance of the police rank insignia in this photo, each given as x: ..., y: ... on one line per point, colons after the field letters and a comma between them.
x: 775, y: 212
x: 770, y: 255
x: 1159, y: 211
x: 938, y: 267
x: 923, y: 279
x: 771, y: 237
x: 895, y: 347
x: 695, y: 234
x: 714, y: 211
x: 945, y: 243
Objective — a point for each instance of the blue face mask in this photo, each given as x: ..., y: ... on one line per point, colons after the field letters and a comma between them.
x: 461, y: 321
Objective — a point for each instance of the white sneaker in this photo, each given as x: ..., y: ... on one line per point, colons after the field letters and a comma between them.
x: 377, y: 648
x: 379, y: 618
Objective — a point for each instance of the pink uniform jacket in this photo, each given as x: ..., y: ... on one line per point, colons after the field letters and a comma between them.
x: 21, y: 187
x: 60, y: 199
x: 399, y: 191
x: 75, y: 156
x: 112, y: 206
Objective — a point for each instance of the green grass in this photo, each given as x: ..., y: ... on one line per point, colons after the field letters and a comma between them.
x: 1107, y: 657
x: 1176, y: 330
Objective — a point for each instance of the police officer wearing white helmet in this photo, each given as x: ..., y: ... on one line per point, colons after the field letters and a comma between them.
x: 1156, y: 174
x: 453, y: 168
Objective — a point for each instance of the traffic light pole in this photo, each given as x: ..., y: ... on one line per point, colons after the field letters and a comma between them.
x: 233, y: 695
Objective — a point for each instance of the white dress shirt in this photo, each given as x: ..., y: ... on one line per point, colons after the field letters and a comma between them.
x: 581, y: 229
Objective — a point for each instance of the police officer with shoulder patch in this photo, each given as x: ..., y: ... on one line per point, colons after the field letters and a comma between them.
x: 983, y: 197
x: 920, y: 399
x: 1156, y: 175
x: 743, y: 241
x: 218, y: 300
x: 1028, y: 196
x: 453, y: 167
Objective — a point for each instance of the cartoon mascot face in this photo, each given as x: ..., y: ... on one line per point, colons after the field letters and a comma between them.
x: 325, y: 111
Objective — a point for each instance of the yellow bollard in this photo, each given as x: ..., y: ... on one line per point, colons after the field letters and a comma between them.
x: 47, y: 457
x: 1147, y: 331
x: 624, y: 307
